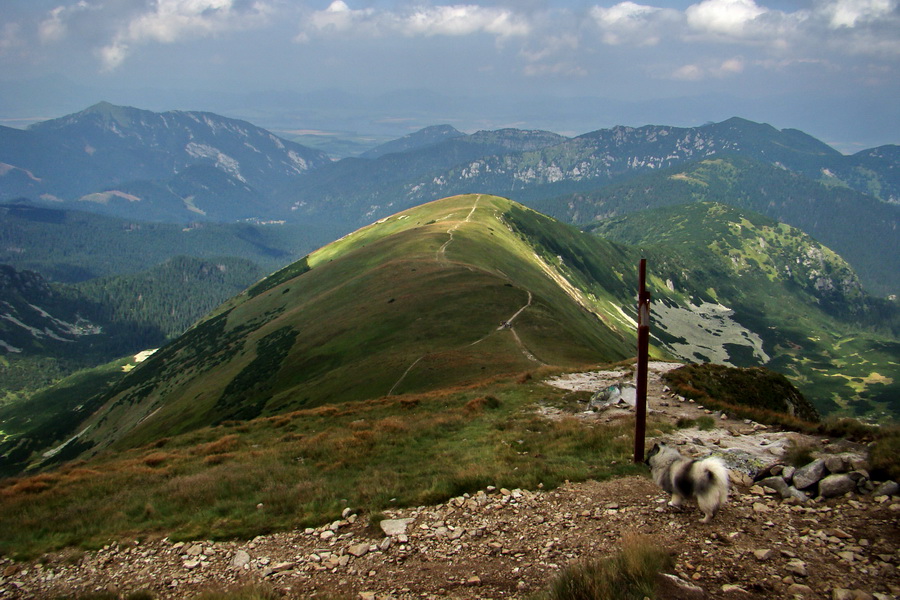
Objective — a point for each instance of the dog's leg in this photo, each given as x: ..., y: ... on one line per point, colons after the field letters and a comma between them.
x: 709, y: 504
x: 676, y: 500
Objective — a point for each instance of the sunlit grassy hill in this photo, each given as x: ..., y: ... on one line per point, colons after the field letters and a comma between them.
x: 413, y: 303
x: 474, y: 287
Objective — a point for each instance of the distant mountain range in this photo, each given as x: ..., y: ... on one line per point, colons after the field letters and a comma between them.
x: 173, y: 166
x: 191, y: 166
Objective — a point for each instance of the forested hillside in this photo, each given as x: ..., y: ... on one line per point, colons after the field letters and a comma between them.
x: 72, y: 246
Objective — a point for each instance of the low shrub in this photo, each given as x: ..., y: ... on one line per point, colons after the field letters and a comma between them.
x: 632, y: 573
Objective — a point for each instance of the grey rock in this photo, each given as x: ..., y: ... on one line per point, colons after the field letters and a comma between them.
x: 798, y: 589
x: 845, y: 594
x: 764, y: 553
x: 358, y: 550
x: 809, y: 475
x: 836, y: 485
x: 394, y: 527
x: 797, y: 567
x: 836, y: 464
x: 788, y: 473
x: 777, y: 484
x: 799, y: 495
x: 195, y: 550
x: 888, y: 488
x: 240, y: 559
x: 683, y: 585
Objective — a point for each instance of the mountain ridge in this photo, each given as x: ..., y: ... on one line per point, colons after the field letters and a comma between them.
x: 474, y: 286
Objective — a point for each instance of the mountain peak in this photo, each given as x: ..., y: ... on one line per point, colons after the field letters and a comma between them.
x: 422, y: 138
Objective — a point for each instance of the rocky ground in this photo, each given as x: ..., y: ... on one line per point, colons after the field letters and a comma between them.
x: 501, y: 543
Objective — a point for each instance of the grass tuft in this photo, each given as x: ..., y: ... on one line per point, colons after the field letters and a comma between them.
x: 630, y: 574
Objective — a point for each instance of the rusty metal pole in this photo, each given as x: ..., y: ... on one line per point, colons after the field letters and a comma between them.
x: 643, y: 349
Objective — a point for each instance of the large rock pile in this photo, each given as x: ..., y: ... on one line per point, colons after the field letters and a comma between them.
x: 826, y: 477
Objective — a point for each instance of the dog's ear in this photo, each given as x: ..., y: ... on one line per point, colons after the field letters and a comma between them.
x: 653, y: 452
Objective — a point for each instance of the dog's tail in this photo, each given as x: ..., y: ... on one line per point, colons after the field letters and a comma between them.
x: 713, y: 479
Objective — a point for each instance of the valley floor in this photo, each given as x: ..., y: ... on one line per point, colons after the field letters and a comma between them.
x: 501, y: 543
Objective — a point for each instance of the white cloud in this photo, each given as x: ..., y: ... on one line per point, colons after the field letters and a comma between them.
x: 465, y: 20
x: 631, y: 23
x: 55, y: 26
x: 726, y: 17
x: 173, y: 20
x: 850, y: 13
x: 709, y: 70
x: 566, y: 69
x: 52, y: 28
x: 423, y: 21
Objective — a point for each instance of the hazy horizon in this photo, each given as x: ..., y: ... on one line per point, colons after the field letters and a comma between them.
x: 387, y: 67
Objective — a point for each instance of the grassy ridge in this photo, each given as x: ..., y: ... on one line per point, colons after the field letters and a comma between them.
x: 409, y: 304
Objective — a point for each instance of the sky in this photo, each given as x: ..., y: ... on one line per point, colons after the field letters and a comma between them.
x: 828, y: 67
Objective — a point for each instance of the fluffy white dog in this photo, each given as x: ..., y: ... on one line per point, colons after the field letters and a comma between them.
x: 706, y: 480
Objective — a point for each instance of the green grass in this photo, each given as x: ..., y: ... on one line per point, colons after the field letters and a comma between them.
x: 630, y: 574
x: 304, y: 467
x: 398, y: 307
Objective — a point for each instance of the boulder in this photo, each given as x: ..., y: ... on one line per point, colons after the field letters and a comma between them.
x: 888, y: 488
x: 809, y: 475
x: 839, y: 484
x: 836, y: 464
x: 776, y: 484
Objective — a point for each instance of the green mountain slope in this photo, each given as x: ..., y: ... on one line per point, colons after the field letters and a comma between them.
x: 801, y: 303
x: 414, y: 303
x: 860, y: 228
x: 456, y: 292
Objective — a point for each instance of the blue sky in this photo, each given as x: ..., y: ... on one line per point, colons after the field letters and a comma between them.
x: 829, y: 67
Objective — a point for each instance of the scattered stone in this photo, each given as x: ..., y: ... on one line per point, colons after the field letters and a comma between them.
x: 836, y: 464
x: 776, y: 484
x: 473, y: 580
x: 240, y: 559
x: 358, y: 550
x: 797, y: 567
x: 764, y: 554
x: 683, y: 585
x: 730, y: 587
x: 798, y: 589
x: 195, y: 550
x: 845, y: 594
x: 394, y: 527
